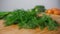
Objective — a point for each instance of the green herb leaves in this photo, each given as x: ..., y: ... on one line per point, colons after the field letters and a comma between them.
x: 29, y: 19
x: 39, y: 8
x: 10, y: 19
x: 3, y: 14
x: 48, y: 22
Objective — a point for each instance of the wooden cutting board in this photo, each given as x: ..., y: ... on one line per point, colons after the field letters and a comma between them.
x: 56, y: 18
x: 15, y: 30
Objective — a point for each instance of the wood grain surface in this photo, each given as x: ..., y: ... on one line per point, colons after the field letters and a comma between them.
x: 13, y: 29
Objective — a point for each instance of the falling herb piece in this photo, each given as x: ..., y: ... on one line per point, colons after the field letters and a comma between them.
x: 39, y: 8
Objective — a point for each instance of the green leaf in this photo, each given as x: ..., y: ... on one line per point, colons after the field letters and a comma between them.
x: 3, y: 14
x: 10, y: 19
x: 39, y: 8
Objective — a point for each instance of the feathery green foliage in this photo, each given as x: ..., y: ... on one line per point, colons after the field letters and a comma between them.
x: 3, y: 14
x: 28, y: 19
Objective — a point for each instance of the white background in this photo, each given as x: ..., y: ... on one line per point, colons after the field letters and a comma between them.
x: 8, y: 5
